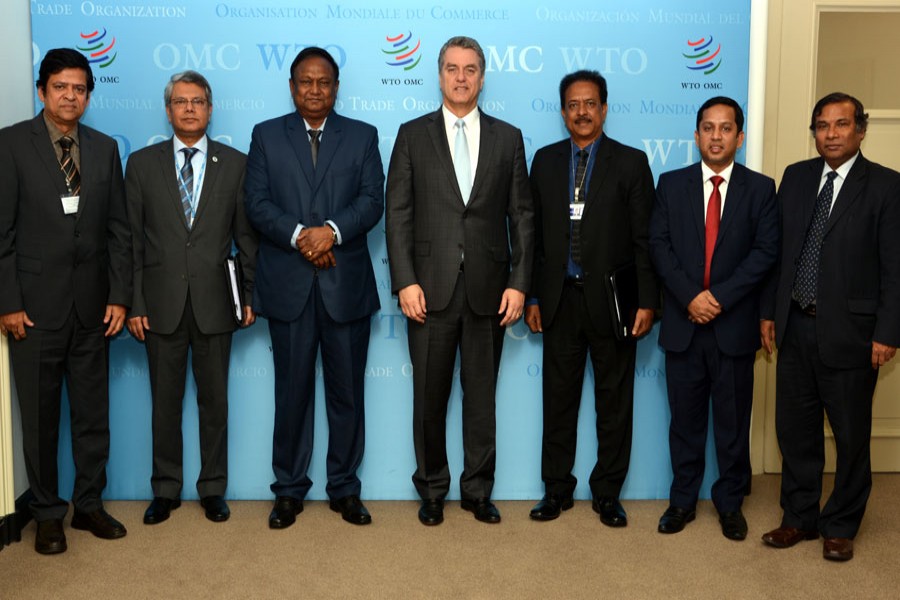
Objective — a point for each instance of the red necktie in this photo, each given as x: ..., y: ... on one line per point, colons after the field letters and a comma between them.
x: 713, y: 212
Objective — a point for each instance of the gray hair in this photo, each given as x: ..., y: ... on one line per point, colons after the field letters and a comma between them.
x: 187, y: 77
x: 461, y: 41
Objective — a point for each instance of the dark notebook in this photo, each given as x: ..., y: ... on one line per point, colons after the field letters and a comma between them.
x: 234, y: 281
x: 622, y: 291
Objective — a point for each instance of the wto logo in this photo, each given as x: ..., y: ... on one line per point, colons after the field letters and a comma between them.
x: 98, y: 50
x: 401, y: 55
x: 702, y: 56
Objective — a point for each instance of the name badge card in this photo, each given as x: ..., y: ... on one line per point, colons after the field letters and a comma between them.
x: 69, y: 204
x: 576, y: 209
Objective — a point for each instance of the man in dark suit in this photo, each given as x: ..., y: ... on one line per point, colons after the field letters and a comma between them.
x: 592, y: 199
x: 314, y: 189
x: 186, y: 207
x: 459, y: 215
x: 65, y: 283
x: 713, y: 240
x: 836, y: 309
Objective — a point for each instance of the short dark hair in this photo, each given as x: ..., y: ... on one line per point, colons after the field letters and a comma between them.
x: 583, y: 75
x: 726, y: 101
x: 322, y: 53
x: 187, y: 77
x: 860, y: 116
x: 60, y: 59
x: 461, y: 41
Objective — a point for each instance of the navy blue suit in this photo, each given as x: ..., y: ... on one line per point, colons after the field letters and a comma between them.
x: 715, y: 358
x: 309, y: 308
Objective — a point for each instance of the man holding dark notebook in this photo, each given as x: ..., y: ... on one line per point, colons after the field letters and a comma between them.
x: 592, y: 199
x: 185, y: 203
x: 713, y: 239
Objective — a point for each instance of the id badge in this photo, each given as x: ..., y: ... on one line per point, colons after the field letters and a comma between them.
x: 69, y: 204
x: 576, y: 209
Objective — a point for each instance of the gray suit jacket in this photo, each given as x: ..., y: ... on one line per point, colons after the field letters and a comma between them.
x: 430, y: 231
x: 171, y: 259
x: 49, y: 261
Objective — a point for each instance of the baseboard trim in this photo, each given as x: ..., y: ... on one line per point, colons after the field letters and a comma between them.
x: 11, y: 525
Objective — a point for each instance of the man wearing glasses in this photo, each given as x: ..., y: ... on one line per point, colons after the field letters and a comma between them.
x: 185, y: 205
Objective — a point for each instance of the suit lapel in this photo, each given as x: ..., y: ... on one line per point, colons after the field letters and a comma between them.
x: 485, y: 148
x: 697, y: 198
x: 298, y: 138
x: 736, y: 189
x: 438, y: 134
x: 210, y: 175
x: 850, y: 191
x: 808, y: 200
x: 558, y: 207
x: 598, y: 174
x: 44, y: 149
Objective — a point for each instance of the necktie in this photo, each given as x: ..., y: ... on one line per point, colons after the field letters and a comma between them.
x: 314, y: 144
x: 461, y: 162
x: 713, y: 215
x: 187, y: 184
x: 806, y: 279
x: 67, y: 164
x: 580, y: 170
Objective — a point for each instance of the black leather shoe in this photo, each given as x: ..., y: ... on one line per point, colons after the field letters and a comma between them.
x: 610, y: 510
x: 675, y: 518
x: 432, y: 511
x: 216, y: 508
x: 50, y: 538
x: 734, y: 525
x: 550, y: 506
x: 100, y: 523
x: 285, y: 512
x: 483, y: 508
x: 351, y: 509
x: 160, y: 509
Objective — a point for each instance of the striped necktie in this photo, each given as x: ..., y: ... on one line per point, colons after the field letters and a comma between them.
x: 67, y: 164
x: 187, y: 184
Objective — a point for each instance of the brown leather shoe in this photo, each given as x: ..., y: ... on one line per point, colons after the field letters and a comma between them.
x: 785, y: 537
x: 837, y: 549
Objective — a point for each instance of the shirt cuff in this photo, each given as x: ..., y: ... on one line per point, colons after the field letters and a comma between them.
x: 297, y: 230
x: 337, y: 232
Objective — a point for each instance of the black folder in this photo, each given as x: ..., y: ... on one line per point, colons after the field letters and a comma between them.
x: 234, y: 281
x: 622, y: 291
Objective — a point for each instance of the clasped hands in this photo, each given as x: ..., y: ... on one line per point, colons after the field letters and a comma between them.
x: 703, y: 308
x: 316, y: 243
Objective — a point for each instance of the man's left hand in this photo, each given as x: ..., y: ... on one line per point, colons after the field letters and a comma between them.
x: 114, y: 319
x: 249, y: 317
x: 882, y: 354
x: 511, y: 306
x: 643, y: 321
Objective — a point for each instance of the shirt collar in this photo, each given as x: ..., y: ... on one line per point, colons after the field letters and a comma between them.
x: 470, y: 119
x: 724, y: 174
x: 201, y: 145
x: 842, y: 170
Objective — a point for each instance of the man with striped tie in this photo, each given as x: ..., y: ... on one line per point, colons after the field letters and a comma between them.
x: 65, y: 283
x: 186, y: 208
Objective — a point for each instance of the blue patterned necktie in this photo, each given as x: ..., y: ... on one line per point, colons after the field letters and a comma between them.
x: 580, y: 170
x: 461, y: 163
x: 806, y: 279
x: 187, y: 184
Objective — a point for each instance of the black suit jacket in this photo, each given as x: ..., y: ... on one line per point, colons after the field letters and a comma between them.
x: 614, y: 226
x: 430, y: 229
x: 745, y: 253
x: 172, y: 259
x: 50, y: 261
x: 858, y: 297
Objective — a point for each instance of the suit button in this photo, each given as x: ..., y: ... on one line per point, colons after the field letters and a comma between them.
x: 184, y: 278
x: 77, y: 234
x: 464, y: 215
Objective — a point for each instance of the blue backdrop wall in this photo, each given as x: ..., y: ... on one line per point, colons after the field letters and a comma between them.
x: 662, y: 59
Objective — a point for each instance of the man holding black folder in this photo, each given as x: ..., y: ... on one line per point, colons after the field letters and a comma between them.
x: 592, y: 199
x: 185, y: 204
x: 713, y: 238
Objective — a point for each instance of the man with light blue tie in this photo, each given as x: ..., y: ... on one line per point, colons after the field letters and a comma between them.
x: 460, y: 231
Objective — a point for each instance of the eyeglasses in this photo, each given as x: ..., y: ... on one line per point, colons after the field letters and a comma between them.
x: 182, y: 103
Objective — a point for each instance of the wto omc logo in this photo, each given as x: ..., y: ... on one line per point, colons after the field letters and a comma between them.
x: 98, y: 49
x: 702, y: 55
x: 400, y: 53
